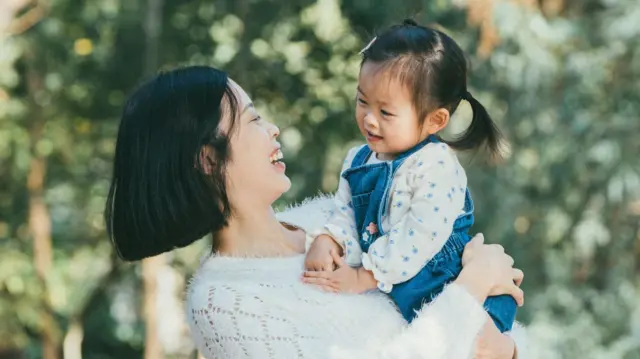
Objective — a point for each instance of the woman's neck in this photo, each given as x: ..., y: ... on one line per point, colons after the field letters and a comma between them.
x: 259, y: 234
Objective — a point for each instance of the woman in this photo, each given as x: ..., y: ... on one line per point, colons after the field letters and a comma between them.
x: 193, y: 157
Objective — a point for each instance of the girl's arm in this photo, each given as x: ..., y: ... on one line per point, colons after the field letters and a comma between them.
x: 341, y: 223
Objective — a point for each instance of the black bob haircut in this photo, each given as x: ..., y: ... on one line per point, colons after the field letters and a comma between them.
x: 160, y: 197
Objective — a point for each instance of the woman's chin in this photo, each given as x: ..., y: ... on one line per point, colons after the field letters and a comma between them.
x: 286, y: 184
x: 278, y: 186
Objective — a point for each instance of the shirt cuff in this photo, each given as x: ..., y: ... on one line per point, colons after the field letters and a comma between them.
x: 384, y: 286
x: 350, y: 246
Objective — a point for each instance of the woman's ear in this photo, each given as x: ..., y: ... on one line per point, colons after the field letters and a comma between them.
x: 436, y: 121
x: 205, y: 160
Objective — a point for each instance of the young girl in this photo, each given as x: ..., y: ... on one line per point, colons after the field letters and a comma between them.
x: 403, y: 207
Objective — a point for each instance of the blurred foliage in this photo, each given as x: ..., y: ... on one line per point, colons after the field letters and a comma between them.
x: 562, y: 79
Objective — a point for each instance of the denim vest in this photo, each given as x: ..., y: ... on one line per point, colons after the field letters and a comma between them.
x: 370, y: 186
x: 370, y: 192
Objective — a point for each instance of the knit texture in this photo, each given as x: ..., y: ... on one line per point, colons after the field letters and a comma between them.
x: 259, y: 308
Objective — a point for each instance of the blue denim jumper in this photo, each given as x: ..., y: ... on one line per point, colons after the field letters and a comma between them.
x: 370, y: 186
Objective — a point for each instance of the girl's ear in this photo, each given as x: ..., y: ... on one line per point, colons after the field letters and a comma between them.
x: 436, y: 120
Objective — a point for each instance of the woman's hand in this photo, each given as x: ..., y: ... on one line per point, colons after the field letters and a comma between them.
x: 492, y: 344
x: 488, y: 271
x: 319, y: 255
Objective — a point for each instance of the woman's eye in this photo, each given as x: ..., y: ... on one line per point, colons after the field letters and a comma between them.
x: 257, y: 119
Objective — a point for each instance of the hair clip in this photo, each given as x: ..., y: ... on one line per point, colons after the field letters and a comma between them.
x: 368, y: 45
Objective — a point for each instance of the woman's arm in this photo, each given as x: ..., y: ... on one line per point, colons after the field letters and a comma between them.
x: 519, y: 336
x: 450, y: 324
x: 444, y: 329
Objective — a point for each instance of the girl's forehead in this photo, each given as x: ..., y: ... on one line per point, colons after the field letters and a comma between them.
x: 381, y: 82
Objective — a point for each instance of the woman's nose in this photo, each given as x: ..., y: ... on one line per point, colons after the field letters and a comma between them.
x: 274, y: 131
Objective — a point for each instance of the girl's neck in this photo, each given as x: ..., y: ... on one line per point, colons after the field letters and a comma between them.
x: 392, y: 156
x: 385, y: 156
x: 259, y: 234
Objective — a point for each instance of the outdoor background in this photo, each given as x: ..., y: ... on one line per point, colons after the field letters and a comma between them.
x: 561, y: 78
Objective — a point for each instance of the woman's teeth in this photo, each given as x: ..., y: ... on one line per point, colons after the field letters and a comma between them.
x: 277, y: 156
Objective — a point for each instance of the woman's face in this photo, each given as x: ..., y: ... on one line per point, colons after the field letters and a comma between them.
x: 255, y: 171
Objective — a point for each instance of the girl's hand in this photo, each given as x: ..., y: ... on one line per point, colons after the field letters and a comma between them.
x: 492, y: 344
x: 488, y: 271
x: 343, y: 279
x: 319, y: 255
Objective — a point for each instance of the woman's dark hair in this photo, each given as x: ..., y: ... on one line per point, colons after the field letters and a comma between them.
x: 160, y: 197
x: 434, y: 69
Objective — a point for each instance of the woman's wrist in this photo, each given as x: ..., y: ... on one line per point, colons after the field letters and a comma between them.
x: 477, y: 287
x: 511, y: 347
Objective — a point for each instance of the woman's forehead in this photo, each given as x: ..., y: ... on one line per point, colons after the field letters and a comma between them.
x: 241, y: 95
x: 241, y: 101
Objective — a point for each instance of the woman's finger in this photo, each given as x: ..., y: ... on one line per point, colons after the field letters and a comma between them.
x: 317, y: 274
x: 317, y: 281
x: 518, y: 276
x: 471, y: 247
x: 498, y: 247
x: 477, y: 240
x: 509, y: 259
x: 339, y: 261
x: 517, y: 294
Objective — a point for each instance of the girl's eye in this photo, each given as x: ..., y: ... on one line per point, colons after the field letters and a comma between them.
x: 257, y: 119
x: 362, y: 101
x: 385, y: 113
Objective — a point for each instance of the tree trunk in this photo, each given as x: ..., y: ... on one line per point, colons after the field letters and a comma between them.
x: 39, y: 220
x: 150, y: 268
x: 72, y: 344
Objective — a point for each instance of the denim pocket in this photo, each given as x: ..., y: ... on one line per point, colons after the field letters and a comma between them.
x: 447, y: 264
x: 361, y: 200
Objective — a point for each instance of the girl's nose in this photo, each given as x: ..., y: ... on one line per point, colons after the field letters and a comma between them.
x: 370, y: 120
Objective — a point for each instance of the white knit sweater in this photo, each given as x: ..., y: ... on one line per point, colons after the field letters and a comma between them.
x: 259, y: 308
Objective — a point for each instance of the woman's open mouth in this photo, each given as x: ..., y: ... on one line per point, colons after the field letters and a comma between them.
x: 276, y: 160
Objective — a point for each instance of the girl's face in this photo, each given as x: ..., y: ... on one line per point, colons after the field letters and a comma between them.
x: 386, y: 115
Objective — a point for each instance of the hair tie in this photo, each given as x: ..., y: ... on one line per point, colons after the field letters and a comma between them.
x: 466, y: 96
x: 368, y: 45
x: 409, y: 22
